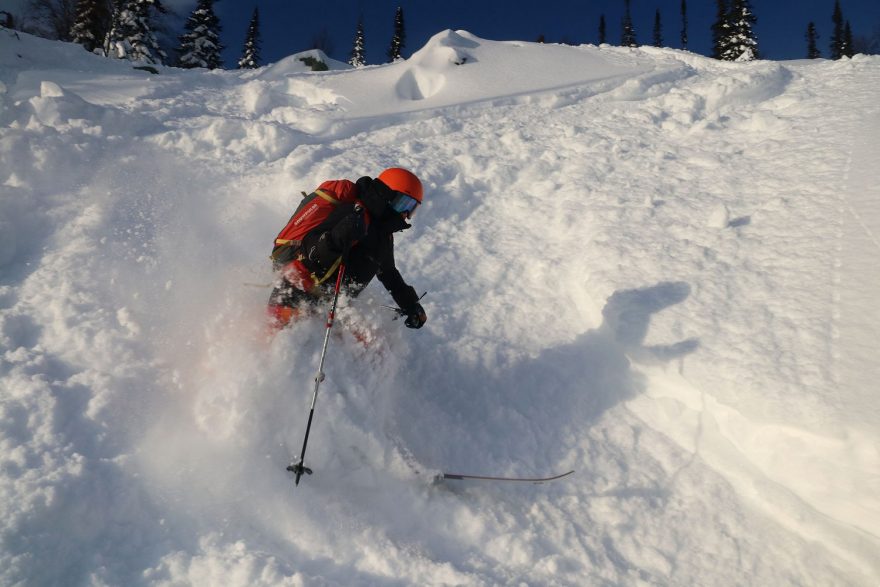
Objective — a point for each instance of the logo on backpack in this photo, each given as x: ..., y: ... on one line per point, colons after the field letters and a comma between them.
x: 311, y: 212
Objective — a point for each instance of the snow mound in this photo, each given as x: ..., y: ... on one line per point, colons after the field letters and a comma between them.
x: 425, y: 72
x: 65, y: 111
x: 301, y: 62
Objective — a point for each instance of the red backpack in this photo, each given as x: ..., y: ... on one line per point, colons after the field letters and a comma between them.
x: 311, y: 212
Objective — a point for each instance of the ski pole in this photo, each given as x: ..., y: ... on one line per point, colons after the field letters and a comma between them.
x: 399, y: 312
x: 299, y: 468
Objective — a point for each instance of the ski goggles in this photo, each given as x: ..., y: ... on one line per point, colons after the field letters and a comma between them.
x: 404, y: 204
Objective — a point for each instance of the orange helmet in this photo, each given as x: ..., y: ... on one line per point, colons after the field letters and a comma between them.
x: 401, y: 180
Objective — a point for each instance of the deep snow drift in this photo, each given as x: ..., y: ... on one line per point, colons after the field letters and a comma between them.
x: 653, y: 268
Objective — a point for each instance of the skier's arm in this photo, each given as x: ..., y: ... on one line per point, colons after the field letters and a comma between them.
x: 324, y: 247
x: 350, y: 229
x: 403, y: 294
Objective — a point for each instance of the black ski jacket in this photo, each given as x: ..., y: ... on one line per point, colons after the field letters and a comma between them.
x: 365, y: 238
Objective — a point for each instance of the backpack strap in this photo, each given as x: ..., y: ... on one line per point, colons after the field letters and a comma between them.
x: 324, y: 196
x: 331, y: 271
x: 335, y: 265
x: 287, y: 250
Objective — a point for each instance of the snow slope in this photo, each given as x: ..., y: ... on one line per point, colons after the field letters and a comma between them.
x: 653, y: 268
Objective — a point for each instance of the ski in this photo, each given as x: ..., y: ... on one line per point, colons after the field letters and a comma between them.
x: 460, y: 477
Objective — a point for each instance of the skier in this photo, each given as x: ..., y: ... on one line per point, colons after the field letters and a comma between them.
x: 351, y: 223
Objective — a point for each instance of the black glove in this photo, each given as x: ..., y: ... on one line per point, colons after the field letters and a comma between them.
x: 416, y: 317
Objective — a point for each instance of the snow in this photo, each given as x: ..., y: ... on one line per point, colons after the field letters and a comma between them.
x: 653, y: 268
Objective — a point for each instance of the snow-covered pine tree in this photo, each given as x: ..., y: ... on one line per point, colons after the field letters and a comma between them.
x: 658, y: 30
x: 812, y: 36
x: 250, y: 55
x: 742, y: 43
x: 398, y: 41
x: 628, y: 33
x: 131, y: 35
x: 720, y: 30
x: 358, y: 56
x: 837, y: 39
x: 200, y: 44
x: 684, y: 24
x: 603, y: 37
x: 113, y: 36
x: 91, y: 23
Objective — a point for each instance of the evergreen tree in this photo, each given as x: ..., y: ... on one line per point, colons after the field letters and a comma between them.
x: 358, y: 52
x: 399, y: 40
x: 603, y: 38
x: 742, y: 44
x: 684, y: 24
x: 872, y: 43
x: 131, y: 35
x: 322, y: 41
x: 628, y: 34
x: 200, y: 44
x: 658, y: 30
x: 836, y: 49
x: 50, y: 19
x: 848, y: 50
x: 91, y: 23
x: 114, y: 37
x: 812, y: 37
x: 250, y: 55
x: 867, y: 44
x: 720, y: 30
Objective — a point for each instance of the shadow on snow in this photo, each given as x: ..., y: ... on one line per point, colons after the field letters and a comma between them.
x: 524, y: 419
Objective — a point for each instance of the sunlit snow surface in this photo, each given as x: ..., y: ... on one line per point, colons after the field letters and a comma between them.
x: 656, y: 269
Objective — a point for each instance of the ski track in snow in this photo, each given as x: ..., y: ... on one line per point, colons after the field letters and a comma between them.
x: 652, y: 268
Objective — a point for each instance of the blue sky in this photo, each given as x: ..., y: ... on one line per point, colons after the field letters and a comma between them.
x: 289, y: 27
